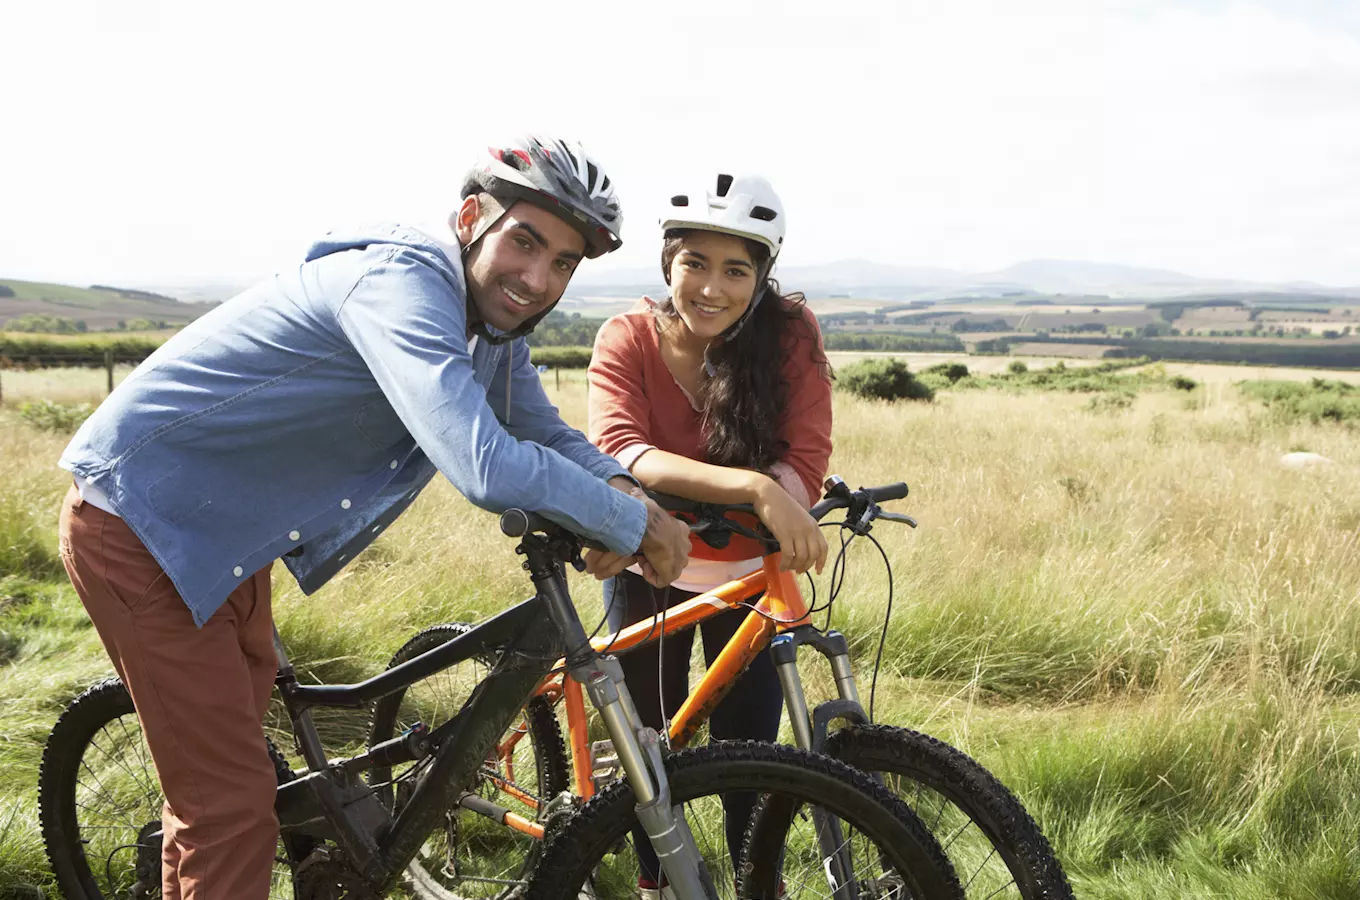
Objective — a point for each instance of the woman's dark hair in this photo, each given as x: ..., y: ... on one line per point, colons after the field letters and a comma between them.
x: 741, y: 401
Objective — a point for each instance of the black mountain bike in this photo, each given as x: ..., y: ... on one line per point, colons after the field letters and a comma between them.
x: 819, y: 828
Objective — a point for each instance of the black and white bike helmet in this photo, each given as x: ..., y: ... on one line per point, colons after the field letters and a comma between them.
x: 557, y: 176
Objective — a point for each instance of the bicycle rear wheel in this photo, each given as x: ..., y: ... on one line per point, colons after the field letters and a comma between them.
x: 472, y: 857
x: 100, y: 802
x: 889, y: 853
x: 993, y: 844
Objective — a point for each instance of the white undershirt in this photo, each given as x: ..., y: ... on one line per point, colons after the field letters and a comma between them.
x: 94, y: 496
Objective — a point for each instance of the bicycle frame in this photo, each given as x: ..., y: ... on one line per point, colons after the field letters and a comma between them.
x: 779, y: 621
x: 331, y: 802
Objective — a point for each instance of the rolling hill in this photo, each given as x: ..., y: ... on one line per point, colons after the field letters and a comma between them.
x: 100, y: 307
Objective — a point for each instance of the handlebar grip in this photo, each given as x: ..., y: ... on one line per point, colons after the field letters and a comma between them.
x: 672, y: 503
x: 895, y: 491
x: 518, y: 522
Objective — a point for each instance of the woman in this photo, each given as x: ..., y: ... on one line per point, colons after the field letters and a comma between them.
x: 720, y: 393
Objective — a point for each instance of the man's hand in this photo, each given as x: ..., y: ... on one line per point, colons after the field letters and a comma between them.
x: 604, y: 564
x: 665, y: 544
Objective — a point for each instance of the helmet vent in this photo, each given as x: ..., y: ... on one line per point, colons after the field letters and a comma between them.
x: 724, y: 185
x: 763, y: 213
x: 592, y: 174
x: 680, y: 200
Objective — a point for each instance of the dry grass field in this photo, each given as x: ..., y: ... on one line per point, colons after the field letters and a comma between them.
x: 1135, y: 617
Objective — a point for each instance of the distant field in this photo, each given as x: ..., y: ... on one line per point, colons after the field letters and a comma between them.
x: 1079, y: 351
x: 100, y: 310
x: 983, y: 364
x: 1209, y: 372
x: 96, y: 337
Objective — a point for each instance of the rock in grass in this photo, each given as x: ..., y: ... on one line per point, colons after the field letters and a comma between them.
x: 1304, y: 460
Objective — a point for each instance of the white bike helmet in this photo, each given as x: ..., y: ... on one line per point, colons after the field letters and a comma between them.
x: 741, y: 205
x: 557, y: 176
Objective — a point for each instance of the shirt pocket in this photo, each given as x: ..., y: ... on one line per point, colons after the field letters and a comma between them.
x: 179, y: 495
x: 379, y: 424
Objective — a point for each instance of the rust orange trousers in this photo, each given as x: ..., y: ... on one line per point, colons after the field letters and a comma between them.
x: 201, y: 696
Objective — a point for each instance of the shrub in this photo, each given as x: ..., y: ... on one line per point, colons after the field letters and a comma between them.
x: 1181, y: 383
x: 560, y: 357
x: 1315, y: 401
x: 883, y: 379
x: 1109, y: 403
x: 952, y: 371
x: 49, y: 416
x: 1017, y: 367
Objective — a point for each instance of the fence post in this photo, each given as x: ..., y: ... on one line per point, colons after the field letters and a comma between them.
x: 108, y: 365
x: 558, y: 374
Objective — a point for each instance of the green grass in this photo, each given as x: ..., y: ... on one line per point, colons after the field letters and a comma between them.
x: 1138, y: 620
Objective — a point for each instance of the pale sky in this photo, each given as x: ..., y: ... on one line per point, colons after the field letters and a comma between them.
x: 183, y: 142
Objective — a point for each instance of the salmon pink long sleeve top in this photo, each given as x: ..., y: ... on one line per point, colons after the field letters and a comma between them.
x: 636, y: 405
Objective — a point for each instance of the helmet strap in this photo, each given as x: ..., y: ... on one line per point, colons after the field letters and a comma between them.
x: 735, y: 328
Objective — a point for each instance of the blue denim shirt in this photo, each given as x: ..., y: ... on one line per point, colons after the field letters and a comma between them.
x: 310, y: 411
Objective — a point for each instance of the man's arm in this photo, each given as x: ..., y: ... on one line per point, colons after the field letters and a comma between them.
x: 534, y: 418
x: 405, y: 319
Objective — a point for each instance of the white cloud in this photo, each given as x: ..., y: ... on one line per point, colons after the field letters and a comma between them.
x: 176, y: 142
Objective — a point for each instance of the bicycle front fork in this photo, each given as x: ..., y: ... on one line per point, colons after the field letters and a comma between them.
x: 810, y: 726
x: 638, y: 747
x: 639, y: 751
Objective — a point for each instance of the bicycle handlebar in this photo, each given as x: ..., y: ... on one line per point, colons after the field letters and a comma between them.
x: 517, y: 523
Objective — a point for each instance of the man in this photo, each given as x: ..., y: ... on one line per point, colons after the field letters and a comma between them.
x: 298, y: 420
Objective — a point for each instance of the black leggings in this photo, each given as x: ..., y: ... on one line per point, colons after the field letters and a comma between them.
x: 750, y: 710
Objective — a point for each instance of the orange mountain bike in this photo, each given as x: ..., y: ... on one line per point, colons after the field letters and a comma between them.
x: 492, y: 837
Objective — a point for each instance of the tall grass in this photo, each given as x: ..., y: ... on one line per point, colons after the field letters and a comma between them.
x: 1137, y: 619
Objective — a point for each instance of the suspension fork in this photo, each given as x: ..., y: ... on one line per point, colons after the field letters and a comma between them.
x: 638, y: 747
x: 809, y: 730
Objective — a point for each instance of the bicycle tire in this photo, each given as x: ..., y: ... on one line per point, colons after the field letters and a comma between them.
x: 550, y: 778
x: 576, y: 861
x: 63, y: 795
x: 973, y: 815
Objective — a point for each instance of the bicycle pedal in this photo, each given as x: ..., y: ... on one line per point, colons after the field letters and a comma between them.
x: 604, y: 764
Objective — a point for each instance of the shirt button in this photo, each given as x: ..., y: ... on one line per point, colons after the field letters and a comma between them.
x: 237, y: 571
x: 294, y: 535
x: 392, y: 464
x: 344, y: 504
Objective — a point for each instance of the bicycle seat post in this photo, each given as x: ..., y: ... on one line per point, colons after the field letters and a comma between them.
x: 304, y: 730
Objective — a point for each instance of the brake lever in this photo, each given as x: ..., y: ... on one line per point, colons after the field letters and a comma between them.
x: 898, y: 517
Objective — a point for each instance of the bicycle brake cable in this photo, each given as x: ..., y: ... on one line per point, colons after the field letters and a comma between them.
x: 887, y: 616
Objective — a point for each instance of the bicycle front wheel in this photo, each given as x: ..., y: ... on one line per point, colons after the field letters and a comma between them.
x: 992, y: 843
x: 883, y: 851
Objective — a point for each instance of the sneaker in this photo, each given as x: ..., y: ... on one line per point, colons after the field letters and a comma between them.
x: 649, y: 890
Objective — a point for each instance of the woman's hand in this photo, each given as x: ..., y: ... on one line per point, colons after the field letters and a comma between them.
x: 800, y: 539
